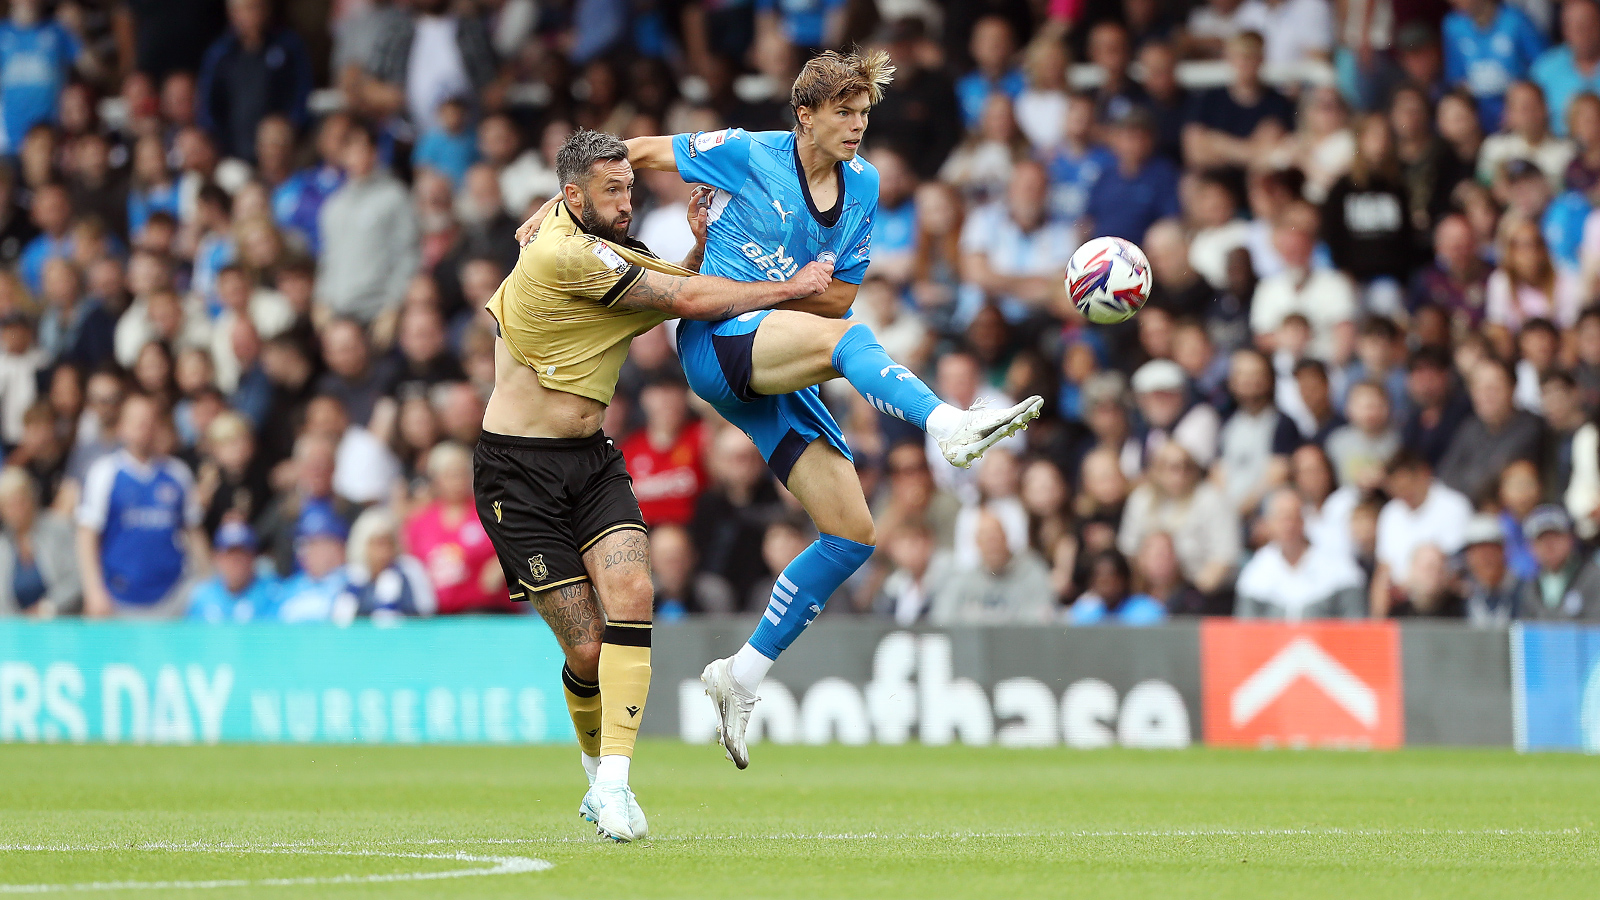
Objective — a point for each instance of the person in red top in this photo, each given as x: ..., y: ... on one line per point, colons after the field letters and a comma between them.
x: 666, y: 456
x: 447, y: 536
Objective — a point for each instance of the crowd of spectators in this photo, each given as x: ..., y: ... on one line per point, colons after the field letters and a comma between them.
x: 244, y: 247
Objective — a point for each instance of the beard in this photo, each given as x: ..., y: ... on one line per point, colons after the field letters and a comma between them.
x: 615, y: 230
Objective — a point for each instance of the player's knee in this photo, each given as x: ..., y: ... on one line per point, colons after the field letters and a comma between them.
x: 831, y: 332
x: 862, y: 532
x: 584, y: 661
x: 631, y: 599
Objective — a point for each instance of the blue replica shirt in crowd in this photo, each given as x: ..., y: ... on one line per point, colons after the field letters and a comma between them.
x: 973, y: 90
x: 34, y: 62
x: 140, y: 510
x: 1125, y: 207
x: 305, y: 598
x: 764, y: 226
x: 804, y: 21
x: 213, y: 603
x: 296, y: 202
x: 451, y: 155
x: 142, y: 203
x: 1563, y: 228
x: 39, y: 251
x: 1561, y: 81
x: 1140, y: 609
x: 1487, y: 60
x: 1071, y: 179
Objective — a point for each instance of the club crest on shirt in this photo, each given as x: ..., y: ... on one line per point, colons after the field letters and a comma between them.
x: 536, y: 567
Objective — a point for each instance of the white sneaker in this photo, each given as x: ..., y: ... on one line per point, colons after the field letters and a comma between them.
x: 590, y: 810
x: 617, y: 813
x: 734, y: 705
x: 982, y: 428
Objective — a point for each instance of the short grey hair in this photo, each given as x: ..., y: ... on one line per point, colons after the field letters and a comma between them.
x: 582, y: 150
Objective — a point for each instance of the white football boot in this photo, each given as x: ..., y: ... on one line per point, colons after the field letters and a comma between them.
x: 590, y: 810
x: 982, y: 428
x: 734, y: 706
x: 616, y: 813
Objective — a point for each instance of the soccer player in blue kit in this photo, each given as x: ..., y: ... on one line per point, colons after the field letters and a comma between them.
x: 782, y: 200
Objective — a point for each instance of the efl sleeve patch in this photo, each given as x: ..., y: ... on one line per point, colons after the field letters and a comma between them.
x: 706, y: 140
x: 609, y: 256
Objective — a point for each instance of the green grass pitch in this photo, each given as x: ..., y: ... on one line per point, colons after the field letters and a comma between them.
x: 810, y: 822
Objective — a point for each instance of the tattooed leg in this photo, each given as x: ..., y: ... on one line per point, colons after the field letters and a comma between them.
x: 578, y: 624
x: 619, y: 566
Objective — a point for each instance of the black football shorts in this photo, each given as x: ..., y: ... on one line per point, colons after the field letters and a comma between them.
x: 544, y: 501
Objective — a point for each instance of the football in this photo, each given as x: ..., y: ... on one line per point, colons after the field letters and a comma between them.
x: 1108, y: 280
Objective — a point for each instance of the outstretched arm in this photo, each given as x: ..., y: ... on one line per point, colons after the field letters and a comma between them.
x: 652, y: 153
x: 709, y: 297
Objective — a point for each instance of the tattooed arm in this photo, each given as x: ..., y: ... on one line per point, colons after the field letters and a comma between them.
x: 709, y: 297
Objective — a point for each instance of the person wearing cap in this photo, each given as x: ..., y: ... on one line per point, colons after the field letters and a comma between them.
x: 1161, y: 394
x: 1420, y: 59
x: 1141, y: 188
x: 311, y: 594
x: 1293, y: 578
x: 1422, y: 512
x: 1488, y: 584
x: 38, y: 574
x: 240, y: 591
x: 1573, y: 67
x: 1567, y: 588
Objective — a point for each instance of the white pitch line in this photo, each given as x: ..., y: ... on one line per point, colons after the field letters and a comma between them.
x: 880, y: 836
x: 497, y: 865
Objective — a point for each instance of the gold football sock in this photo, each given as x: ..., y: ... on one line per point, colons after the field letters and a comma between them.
x: 624, y: 685
x: 583, y: 703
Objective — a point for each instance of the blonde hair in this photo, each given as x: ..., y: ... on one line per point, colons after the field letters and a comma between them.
x: 370, y: 524
x: 1544, y: 280
x: 15, y: 480
x: 446, y: 453
x: 227, y: 426
x: 830, y: 77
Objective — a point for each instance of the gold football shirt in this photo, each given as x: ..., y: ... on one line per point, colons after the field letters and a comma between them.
x: 557, y: 309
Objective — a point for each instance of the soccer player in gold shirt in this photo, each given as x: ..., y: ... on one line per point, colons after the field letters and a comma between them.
x: 552, y: 491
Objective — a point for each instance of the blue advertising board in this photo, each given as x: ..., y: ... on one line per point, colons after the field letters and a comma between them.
x: 443, y: 681
x: 1555, y: 687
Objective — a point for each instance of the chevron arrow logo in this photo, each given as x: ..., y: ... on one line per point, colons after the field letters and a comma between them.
x: 1302, y: 658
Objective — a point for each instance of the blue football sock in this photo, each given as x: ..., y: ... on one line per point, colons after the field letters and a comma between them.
x: 886, y: 384
x: 803, y: 588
